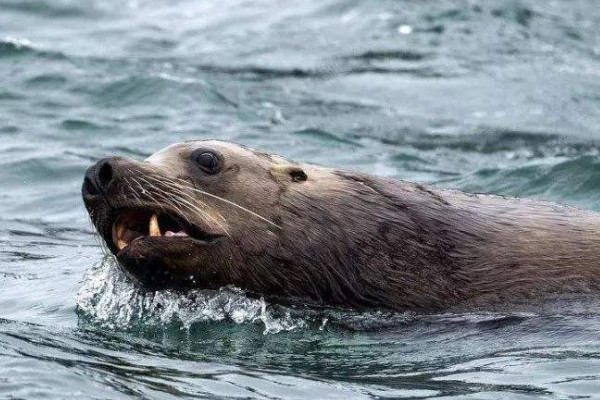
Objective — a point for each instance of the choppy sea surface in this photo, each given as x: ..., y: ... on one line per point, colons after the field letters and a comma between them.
x: 484, y: 96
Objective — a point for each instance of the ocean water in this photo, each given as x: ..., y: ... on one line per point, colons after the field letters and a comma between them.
x: 480, y: 95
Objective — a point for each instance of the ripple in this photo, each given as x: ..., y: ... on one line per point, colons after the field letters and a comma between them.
x: 404, y: 55
x: 81, y: 125
x: 47, y: 81
x: 334, y: 70
x: 54, y: 9
x: 487, y: 141
x: 5, y: 95
x: 515, y: 12
x: 325, y: 137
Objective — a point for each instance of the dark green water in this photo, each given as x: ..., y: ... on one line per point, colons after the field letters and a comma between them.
x: 486, y: 96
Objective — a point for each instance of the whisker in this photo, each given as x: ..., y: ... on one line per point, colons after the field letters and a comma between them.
x: 149, y: 194
x: 165, y: 180
x: 155, y: 190
x: 193, y: 208
x: 98, y: 238
x: 230, y: 203
x: 192, y: 198
x: 133, y: 192
x: 188, y: 196
x: 186, y: 204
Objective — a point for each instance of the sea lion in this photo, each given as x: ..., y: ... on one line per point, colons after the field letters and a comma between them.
x: 206, y: 214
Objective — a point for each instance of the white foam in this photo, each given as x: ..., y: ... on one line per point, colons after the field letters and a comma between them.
x: 109, y: 298
x: 17, y: 42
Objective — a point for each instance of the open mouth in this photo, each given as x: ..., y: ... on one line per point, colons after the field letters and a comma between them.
x: 133, y: 225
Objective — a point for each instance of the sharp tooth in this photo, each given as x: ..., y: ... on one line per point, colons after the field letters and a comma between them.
x: 117, y: 236
x: 154, y: 228
x: 121, y: 244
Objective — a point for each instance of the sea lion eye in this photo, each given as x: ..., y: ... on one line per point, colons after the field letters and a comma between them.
x: 298, y: 175
x: 208, y: 161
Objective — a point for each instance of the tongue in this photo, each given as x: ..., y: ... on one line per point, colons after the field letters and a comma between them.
x: 180, y: 233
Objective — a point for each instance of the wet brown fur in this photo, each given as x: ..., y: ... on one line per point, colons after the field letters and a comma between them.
x: 352, y: 240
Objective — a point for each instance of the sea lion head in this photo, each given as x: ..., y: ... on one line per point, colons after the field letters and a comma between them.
x: 195, y: 214
x: 207, y: 214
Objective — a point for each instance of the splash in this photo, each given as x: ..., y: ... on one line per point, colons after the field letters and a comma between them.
x: 108, y: 297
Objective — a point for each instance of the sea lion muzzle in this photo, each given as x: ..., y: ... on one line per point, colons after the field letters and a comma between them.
x: 145, y: 230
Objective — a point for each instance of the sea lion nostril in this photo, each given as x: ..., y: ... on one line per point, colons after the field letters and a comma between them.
x: 105, y: 175
x: 89, y: 188
x: 90, y: 183
x: 98, y: 178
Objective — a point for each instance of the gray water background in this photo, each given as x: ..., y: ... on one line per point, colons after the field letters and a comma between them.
x: 484, y: 96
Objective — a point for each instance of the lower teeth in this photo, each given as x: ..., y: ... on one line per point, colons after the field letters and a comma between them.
x: 180, y: 233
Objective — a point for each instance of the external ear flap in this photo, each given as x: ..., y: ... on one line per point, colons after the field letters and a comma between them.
x: 288, y: 173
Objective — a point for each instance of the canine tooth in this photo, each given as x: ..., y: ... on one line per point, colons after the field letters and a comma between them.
x: 121, y: 244
x: 154, y: 228
x: 117, y: 236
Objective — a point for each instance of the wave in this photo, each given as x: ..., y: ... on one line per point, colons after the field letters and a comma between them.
x: 157, y: 88
x: 572, y: 180
x: 14, y: 46
x: 11, y: 47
